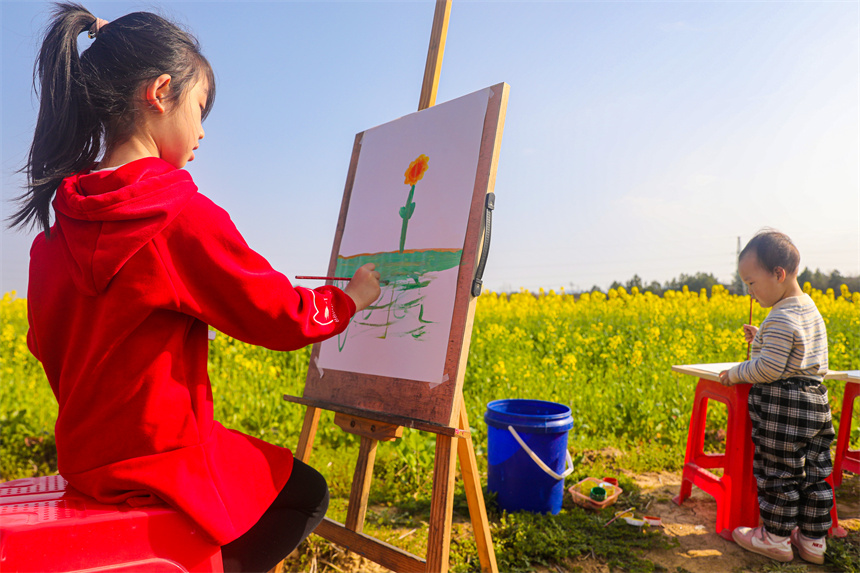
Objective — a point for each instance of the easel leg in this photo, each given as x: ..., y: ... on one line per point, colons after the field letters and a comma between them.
x: 441, y: 506
x: 309, y: 432
x: 475, y: 497
x: 360, y: 491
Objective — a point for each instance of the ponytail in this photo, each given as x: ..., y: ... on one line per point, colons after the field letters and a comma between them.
x: 89, y: 101
x: 67, y: 132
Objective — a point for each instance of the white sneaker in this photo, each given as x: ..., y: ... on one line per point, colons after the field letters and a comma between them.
x: 760, y: 541
x: 809, y: 548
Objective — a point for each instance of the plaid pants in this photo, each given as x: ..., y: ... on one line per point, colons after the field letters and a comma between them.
x: 792, y: 432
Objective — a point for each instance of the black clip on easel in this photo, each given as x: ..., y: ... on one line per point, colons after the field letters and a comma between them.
x: 485, y: 249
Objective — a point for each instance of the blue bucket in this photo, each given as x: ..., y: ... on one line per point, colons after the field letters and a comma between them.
x: 527, y: 454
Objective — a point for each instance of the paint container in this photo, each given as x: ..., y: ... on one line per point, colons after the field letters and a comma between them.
x: 581, y: 493
x: 646, y: 520
x: 597, y: 493
x: 527, y: 454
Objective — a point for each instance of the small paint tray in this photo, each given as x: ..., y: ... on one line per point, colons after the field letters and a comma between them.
x: 581, y: 490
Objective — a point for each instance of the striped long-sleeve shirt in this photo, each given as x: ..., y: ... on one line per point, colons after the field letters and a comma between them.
x: 792, y: 341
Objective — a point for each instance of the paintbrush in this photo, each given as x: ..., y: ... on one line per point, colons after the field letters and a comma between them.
x: 383, y: 282
x: 324, y: 278
x: 617, y: 515
x: 749, y: 344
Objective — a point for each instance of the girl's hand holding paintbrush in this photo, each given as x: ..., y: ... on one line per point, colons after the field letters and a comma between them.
x: 363, y: 288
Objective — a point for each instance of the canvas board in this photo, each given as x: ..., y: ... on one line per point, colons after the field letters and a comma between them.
x: 413, y: 205
x: 405, y: 333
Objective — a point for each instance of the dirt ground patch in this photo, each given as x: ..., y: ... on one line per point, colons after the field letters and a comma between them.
x: 699, y: 549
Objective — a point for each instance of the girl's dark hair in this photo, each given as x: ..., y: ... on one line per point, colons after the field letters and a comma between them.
x: 91, y: 101
x: 773, y: 249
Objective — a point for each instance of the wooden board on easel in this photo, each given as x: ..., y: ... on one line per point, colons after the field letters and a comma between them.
x: 402, y: 357
x: 376, y: 406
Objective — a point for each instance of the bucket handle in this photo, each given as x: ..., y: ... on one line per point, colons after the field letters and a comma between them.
x: 568, y: 462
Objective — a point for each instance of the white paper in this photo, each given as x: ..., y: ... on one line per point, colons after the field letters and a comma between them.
x: 405, y: 335
x: 707, y: 371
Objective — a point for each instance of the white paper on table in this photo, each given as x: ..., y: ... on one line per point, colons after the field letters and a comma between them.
x: 707, y: 371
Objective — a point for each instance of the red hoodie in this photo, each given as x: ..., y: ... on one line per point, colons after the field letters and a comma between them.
x: 137, y: 265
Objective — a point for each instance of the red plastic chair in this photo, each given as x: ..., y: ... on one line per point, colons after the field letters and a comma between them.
x: 736, y: 492
x: 47, y: 526
x: 846, y: 459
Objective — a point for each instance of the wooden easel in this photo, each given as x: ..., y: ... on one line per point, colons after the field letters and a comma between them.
x: 373, y: 427
x: 372, y: 431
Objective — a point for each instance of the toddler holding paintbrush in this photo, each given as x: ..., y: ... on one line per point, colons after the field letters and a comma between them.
x: 788, y: 406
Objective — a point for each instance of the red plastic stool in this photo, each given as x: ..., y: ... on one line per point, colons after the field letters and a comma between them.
x: 47, y: 526
x: 736, y: 493
x: 846, y: 458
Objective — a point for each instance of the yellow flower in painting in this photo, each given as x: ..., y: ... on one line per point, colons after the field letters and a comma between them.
x: 416, y: 170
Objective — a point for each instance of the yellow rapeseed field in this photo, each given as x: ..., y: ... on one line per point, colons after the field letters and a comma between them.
x: 607, y: 356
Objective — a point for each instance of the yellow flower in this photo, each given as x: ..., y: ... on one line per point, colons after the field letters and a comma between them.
x: 416, y: 170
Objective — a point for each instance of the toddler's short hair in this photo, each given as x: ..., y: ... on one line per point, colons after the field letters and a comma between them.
x: 773, y: 249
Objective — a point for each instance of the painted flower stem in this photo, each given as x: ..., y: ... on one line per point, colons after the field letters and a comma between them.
x: 406, y: 214
x: 414, y: 174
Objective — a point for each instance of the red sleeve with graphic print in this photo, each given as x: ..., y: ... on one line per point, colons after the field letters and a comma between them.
x: 219, y: 279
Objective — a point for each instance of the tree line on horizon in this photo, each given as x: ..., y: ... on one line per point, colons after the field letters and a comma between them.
x: 697, y: 282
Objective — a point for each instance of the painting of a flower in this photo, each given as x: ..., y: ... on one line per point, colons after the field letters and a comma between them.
x: 416, y: 170
x: 413, y: 175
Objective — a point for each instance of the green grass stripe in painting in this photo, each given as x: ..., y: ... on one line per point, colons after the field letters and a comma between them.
x: 399, y: 266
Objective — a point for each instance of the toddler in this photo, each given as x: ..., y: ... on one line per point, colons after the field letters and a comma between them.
x: 788, y: 406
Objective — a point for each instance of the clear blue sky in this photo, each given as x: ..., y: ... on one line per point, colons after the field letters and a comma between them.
x: 641, y: 137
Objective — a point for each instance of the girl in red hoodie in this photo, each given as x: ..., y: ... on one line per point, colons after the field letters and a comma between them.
x: 136, y: 267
